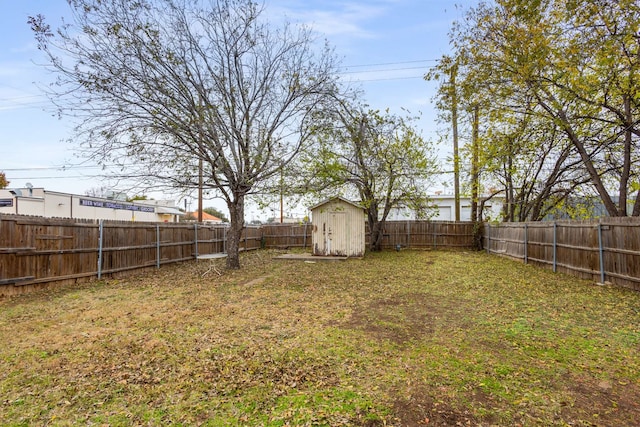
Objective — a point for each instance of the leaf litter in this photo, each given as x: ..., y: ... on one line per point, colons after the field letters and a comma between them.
x: 396, y: 339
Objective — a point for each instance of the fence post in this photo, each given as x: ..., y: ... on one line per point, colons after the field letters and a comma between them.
x: 157, y: 245
x: 488, y: 237
x: 224, y: 240
x: 195, y: 228
x: 304, y: 238
x: 526, y: 242
x: 435, y: 241
x: 555, y: 246
x: 601, y: 252
x: 100, y: 238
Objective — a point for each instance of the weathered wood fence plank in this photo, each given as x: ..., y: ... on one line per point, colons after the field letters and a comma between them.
x: 36, y: 251
x: 602, y: 250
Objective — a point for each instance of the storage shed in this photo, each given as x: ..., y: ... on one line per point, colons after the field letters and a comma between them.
x: 338, y: 228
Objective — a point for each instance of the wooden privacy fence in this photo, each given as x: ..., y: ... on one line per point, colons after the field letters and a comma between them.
x: 35, y: 250
x: 406, y: 234
x: 426, y: 234
x: 602, y: 250
x: 283, y: 236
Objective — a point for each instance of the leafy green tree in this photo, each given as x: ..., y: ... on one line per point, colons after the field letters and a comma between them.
x: 168, y: 88
x: 377, y: 157
x: 3, y: 180
x: 534, y: 165
x: 568, y: 66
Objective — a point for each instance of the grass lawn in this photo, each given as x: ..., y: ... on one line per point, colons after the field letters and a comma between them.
x: 405, y: 338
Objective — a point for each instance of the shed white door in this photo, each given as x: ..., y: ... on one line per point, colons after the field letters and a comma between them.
x: 335, y: 234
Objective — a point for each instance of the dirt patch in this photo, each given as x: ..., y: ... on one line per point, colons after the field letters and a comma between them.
x: 256, y: 281
x: 420, y: 409
x: 394, y: 339
x: 402, y: 319
x: 605, y: 402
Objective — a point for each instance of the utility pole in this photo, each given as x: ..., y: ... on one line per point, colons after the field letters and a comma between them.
x: 475, y: 167
x: 281, y: 195
x: 200, y: 178
x: 200, y: 185
x: 454, y: 126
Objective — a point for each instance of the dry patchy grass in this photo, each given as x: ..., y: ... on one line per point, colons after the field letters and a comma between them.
x: 404, y: 339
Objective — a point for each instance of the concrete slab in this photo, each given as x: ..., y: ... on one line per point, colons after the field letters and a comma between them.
x: 310, y: 258
x: 212, y: 256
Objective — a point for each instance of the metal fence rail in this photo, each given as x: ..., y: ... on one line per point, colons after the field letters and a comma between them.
x: 605, y: 250
x: 36, y: 251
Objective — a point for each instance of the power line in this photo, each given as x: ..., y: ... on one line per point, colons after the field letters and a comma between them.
x: 382, y: 64
x: 61, y: 168
x: 44, y: 102
x: 33, y: 178
x: 24, y: 105
x: 391, y: 63
x: 17, y: 98
x: 383, y: 70
x: 391, y: 78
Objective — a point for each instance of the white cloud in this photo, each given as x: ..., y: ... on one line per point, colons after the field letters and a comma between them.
x: 333, y: 18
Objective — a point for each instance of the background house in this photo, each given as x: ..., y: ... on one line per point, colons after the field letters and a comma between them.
x: 585, y: 207
x: 442, y: 208
x: 206, y: 218
x: 338, y: 228
x: 39, y: 202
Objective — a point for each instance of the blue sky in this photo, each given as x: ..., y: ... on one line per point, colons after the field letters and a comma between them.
x: 385, y: 46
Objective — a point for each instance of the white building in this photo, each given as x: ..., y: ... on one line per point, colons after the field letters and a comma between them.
x: 442, y: 208
x: 39, y: 202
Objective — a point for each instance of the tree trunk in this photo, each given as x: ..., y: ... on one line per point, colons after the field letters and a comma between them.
x: 236, y: 213
x: 377, y: 234
x: 596, y: 181
x: 375, y: 227
x: 456, y: 156
x: 510, y: 217
x: 609, y: 205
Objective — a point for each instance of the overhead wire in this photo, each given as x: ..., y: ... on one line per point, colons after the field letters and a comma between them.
x: 61, y: 168
x: 347, y: 70
x: 391, y: 63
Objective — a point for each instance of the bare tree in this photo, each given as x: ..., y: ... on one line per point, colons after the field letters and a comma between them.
x: 169, y: 88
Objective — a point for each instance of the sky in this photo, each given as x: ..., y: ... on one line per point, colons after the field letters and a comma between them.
x: 385, y: 48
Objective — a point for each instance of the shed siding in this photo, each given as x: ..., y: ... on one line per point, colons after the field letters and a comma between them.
x: 338, y: 229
